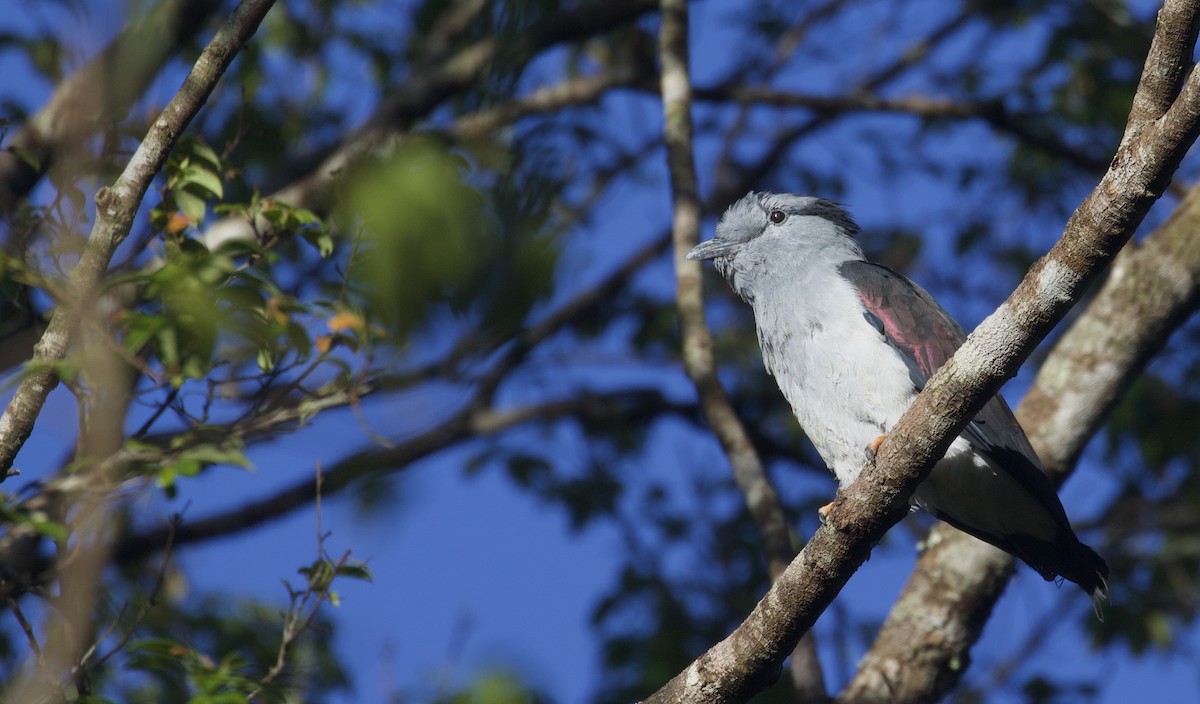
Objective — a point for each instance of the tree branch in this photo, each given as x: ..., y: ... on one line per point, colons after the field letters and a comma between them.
x: 992, y: 112
x: 912, y: 54
x: 1151, y: 290
x: 578, y: 90
x: 116, y: 207
x: 750, y: 657
x: 470, y: 421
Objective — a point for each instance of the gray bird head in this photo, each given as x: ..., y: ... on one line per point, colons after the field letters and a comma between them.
x: 766, y: 236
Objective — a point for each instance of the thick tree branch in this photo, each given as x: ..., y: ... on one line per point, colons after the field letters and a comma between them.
x: 1151, y: 290
x: 116, y: 207
x: 1166, y: 67
x: 750, y: 657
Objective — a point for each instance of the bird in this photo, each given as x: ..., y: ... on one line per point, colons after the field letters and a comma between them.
x: 851, y: 343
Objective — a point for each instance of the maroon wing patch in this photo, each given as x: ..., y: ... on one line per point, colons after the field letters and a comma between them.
x: 924, y: 334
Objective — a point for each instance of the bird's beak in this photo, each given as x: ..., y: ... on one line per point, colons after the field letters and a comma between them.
x: 711, y: 249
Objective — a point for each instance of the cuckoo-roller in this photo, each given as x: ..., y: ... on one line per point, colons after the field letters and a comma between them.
x: 851, y: 343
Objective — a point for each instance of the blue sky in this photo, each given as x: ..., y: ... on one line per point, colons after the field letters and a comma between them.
x: 472, y: 574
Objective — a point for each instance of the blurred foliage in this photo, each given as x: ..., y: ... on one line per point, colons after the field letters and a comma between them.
x: 1154, y: 516
x: 494, y: 688
x: 475, y: 267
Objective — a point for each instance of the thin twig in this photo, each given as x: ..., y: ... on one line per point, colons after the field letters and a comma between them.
x: 27, y: 629
x: 303, y: 606
x: 150, y: 602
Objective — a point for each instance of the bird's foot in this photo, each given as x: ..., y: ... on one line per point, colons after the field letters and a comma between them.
x: 823, y: 512
x: 873, y: 446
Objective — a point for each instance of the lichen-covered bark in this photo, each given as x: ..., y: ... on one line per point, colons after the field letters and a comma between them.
x: 1151, y: 289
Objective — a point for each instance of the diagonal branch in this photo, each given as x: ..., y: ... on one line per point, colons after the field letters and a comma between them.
x: 577, y: 90
x: 116, y: 207
x: 472, y: 420
x: 749, y: 658
x: 1151, y: 290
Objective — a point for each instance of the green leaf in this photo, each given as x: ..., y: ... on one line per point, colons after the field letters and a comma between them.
x: 265, y: 358
x: 319, y: 574
x: 243, y: 296
x: 320, y: 239
x: 156, y: 655
x: 299, y: 340
x: 198, y: 176
x: 213, y: 454
x: 28, y: 157
x: 204, y: 152
x: 51, y: 529
x: 192, y: 205
x: 354, y: 569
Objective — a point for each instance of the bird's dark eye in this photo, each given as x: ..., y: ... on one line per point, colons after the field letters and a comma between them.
x: 777, y: 216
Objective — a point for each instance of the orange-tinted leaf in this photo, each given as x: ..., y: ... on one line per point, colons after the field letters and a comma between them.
x: 178, y: 222
x: 346, y: 321
x: 275, y: 312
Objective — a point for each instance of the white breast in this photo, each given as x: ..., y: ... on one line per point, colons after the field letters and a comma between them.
x: 845, y: 383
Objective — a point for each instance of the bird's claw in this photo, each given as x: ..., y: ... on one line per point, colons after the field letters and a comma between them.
x: 823, y: 512
x: 873, y: 446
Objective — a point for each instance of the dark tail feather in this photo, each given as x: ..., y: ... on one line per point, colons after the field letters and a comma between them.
x: 1067, y: 557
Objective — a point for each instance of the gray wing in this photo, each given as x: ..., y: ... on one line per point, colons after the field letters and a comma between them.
x: 926, y: 336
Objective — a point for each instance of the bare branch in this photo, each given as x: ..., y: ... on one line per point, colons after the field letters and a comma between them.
x: 90, y: 659
x: 1151, y: 290
x: 579, y: 90
x: 992, y: 112
x: 116, y: 207
x: 470, y: 421
x: 910, y: 57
